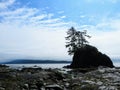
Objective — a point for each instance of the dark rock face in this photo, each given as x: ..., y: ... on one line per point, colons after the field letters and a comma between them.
x: 88, y: 57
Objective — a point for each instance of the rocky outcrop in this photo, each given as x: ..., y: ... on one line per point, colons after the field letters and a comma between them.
x: 89, y: 56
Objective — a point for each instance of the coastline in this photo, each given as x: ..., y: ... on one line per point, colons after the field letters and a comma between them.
x: 63, y: 79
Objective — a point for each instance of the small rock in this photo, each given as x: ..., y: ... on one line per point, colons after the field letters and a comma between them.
x: 102, y: 87
x: 1, y: 88
x: 101, y: 70
x: 88, y: 81
x: 53, y: 87
x: 39, y: 84
x: 107, y: 88
x: 99, y: 83
x: 26, y: 86
x: 67, y: 84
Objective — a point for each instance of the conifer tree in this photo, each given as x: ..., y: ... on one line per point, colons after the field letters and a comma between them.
x: 76, y: 40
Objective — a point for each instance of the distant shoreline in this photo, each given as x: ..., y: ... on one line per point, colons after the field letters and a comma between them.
x: 27, y: 61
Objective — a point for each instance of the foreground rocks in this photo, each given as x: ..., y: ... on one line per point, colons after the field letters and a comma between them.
x: 60, y: 79
x: 88, y: 56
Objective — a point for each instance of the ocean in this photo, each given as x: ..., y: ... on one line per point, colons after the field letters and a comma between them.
x: 19, y: 66
x: 116, y: 63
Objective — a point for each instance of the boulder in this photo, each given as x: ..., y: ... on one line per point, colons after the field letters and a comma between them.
x: 89, y: 56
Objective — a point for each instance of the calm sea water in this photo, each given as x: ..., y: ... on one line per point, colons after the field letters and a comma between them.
x: 19, y: 66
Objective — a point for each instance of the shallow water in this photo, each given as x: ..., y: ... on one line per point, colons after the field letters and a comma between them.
x: 18, y: 66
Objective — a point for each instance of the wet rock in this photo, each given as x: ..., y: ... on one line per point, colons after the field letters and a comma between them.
x: 67, y: 84
x: 53, y: 87
x: 99, y: 83
x: 33, y: 87
x: 26, y: 86
x: 1, y: 88
x: 107, y: 88
x: 2, y: 65
x: 39, y: 84
x: 4, y: 68
x: 31, y: 69
x: 101, y: 78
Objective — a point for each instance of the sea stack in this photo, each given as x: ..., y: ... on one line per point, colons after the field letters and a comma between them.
x: 88, y: 57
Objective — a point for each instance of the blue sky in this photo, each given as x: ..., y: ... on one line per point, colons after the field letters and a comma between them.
x: 36, y: 28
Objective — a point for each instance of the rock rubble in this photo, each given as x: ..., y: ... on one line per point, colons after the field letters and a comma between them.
x: 60, y: 79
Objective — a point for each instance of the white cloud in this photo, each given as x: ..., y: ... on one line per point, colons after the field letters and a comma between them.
x: 105, y: 36
x: 31, y: 32
x: 50, y: 20
x: 5, y: 3
x: 82, y: 16
x: 18, y: 14
x: 63, y: 17
x: 50, y: 15
x: 32, y: 16
x: 33, y: 41
x: 40, y: 17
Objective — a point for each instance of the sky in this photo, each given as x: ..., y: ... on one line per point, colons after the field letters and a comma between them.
x: 37, y: 28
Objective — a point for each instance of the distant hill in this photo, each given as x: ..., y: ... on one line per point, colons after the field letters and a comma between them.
x: 28, y: 61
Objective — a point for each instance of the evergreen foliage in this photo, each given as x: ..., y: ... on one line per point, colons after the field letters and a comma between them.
x: 76, y: 39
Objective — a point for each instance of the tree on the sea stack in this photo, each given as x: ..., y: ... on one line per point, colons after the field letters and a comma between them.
x: 76, y: 39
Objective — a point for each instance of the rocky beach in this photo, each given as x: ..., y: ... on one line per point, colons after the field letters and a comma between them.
x: 36, y: 78
x: 59, y: 44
